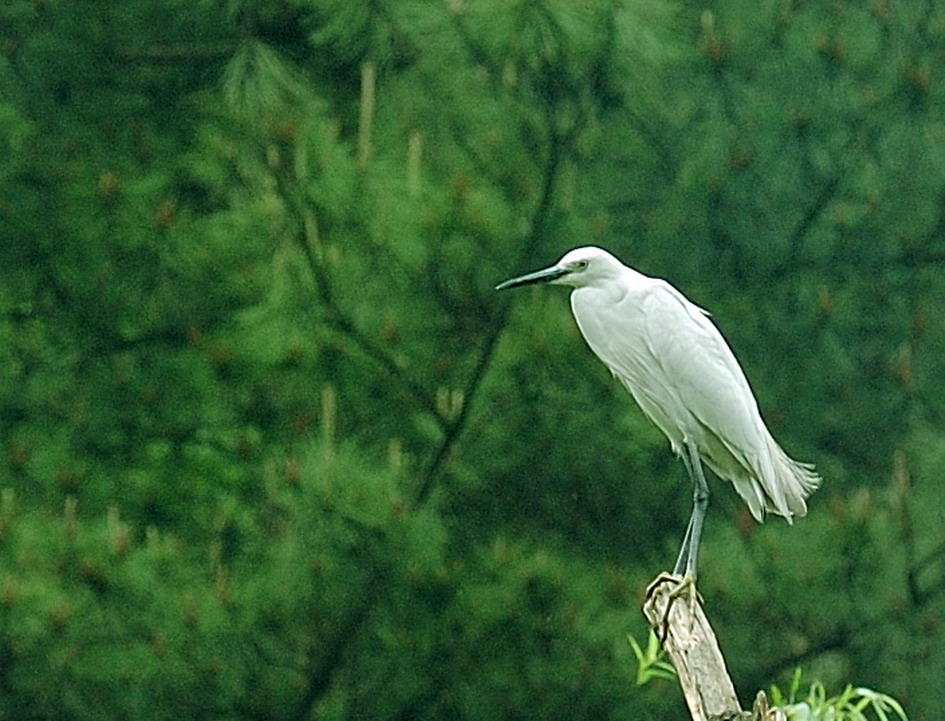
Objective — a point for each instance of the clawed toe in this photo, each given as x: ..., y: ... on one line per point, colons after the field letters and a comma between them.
x: 683, y: 586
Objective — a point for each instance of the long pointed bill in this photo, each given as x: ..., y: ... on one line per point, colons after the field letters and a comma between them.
x: 539, y: 276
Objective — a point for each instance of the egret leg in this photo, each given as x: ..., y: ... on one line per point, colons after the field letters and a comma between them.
x: 680, y: 566
x: 689, y: 550
x: 700, y: 503
x: 686, y: 563
x: 683, y: 556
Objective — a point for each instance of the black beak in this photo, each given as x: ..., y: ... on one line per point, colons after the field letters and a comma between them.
x: 539, y: 276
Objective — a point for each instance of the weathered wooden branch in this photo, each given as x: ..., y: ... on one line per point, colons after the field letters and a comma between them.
x: 691, y: 646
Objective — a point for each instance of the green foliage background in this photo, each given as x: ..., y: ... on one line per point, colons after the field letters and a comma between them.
x: 272, y: 446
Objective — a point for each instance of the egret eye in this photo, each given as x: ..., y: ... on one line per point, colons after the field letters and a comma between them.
x: 580, y: 265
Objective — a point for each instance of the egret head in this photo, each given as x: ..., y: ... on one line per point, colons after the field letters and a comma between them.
x: 577, y: 268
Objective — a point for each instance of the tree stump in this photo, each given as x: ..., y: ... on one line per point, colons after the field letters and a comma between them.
x: 691, y: 646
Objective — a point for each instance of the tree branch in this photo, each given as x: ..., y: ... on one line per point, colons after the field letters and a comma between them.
x: 540, y: 218
x: 307, y: 239
x: 693, y: 650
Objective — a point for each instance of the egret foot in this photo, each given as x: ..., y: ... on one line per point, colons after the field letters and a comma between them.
x: 684, y: 585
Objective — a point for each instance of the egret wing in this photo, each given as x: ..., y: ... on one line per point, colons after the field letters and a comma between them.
x: 701, y: 373
x: 681, y: 372
x: 721, y: 409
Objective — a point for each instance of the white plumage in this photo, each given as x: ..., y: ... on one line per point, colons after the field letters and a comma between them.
x: 670, y: 356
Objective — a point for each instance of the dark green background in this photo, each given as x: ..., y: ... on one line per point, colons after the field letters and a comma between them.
x: 272, y: 447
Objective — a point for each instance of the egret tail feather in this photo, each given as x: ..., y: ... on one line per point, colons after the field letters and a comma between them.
x: 774, y: 483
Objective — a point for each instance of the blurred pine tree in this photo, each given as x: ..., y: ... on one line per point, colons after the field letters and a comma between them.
x: 273, y: 447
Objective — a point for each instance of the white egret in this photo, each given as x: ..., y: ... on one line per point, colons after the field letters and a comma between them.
x: 682, y: 373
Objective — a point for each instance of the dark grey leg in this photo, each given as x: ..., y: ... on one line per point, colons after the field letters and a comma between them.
x: 683, y: 557
x: 700, y: 502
